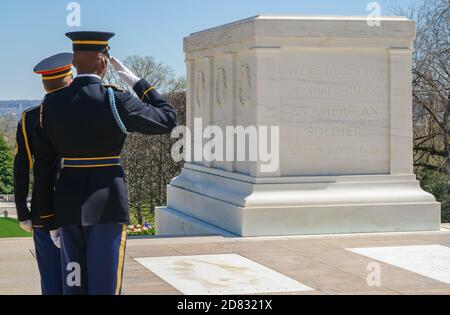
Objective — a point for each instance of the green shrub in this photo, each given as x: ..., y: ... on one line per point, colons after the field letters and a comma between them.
x: 437, y: 184
x: 6, y: 168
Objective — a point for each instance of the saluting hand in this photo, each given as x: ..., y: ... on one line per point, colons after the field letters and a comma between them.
x: 124, y: 73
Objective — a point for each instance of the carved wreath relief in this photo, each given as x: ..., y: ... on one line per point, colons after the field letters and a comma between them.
x: 245, y: 86
x: 221, y: 86
x: 200, y: 88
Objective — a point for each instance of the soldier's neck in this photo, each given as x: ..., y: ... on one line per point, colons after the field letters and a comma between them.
x: 81, y: 75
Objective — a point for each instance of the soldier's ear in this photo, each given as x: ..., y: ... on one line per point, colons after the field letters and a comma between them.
x: 75, y: 62
x: 103, y: 66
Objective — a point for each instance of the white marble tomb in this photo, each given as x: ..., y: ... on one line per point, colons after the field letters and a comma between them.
x: 340, y: 92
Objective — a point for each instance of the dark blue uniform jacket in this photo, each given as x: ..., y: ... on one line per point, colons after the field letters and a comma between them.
x: 77, y: 122
x: 23, y: 164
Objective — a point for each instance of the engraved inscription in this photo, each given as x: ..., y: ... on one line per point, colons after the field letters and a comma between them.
x: 335, y: 151
x: 337, y: 105
x: 336, y: 132
x: 335, y: 111
x: 298, y: 71
x: 352, y: 90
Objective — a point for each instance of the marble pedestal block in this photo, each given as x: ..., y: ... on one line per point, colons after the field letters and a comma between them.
x: 340, y: 92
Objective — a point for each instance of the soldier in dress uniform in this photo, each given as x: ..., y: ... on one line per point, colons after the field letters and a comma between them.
x: 86, y: 124
x: 56, y: 74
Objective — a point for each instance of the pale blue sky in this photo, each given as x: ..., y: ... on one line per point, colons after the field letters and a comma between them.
x: 31, y: 30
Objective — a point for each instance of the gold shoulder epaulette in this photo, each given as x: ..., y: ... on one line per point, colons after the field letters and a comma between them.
x: 41, y: 115
x: 31, y: 108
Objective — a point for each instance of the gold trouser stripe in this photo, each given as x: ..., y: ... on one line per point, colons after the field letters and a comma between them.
x: 92, y: 159
x: 90, y: 166
x: 47, y: 216
x: 121, y: 259
x: 90, y: 42
x: 145, y: 93
x: 25, y: 136
x: 57, y: 76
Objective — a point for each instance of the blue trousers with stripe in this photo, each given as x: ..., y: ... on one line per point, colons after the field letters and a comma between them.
x: 48, y: 257
x: 93, y: 259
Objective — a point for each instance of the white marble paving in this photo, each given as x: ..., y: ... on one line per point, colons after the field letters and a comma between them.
x: 432, y: 261
x: 228, y: 274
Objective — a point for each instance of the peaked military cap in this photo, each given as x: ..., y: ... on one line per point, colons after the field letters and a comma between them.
x: 90, y: 41
x: 55, y: 67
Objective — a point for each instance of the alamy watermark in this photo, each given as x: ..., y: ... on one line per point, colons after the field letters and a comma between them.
x: 374, y: 274
x: 374, y: 17
x: 228, y: 144
x: 74, y: 17
x: 73, y: 278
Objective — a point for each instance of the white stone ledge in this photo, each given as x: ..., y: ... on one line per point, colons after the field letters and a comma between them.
x: 299, y: 27
x: 302, y: 179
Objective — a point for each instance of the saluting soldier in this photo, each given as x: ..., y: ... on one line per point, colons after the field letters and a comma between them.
x: 86, y: 124
x: 56, y: 74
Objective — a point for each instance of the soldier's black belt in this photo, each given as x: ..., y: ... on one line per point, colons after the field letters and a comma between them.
x: 91, y: 162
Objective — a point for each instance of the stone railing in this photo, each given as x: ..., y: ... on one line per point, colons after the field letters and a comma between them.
x: 6, y: 198
x: 7, y: 206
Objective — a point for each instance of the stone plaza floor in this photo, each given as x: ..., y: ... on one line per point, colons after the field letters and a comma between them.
x: 403, y: 263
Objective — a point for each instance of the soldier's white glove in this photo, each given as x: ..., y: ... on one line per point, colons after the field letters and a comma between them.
x: 124, y: 73
x: 56, y: 238
x: 27, y: 226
